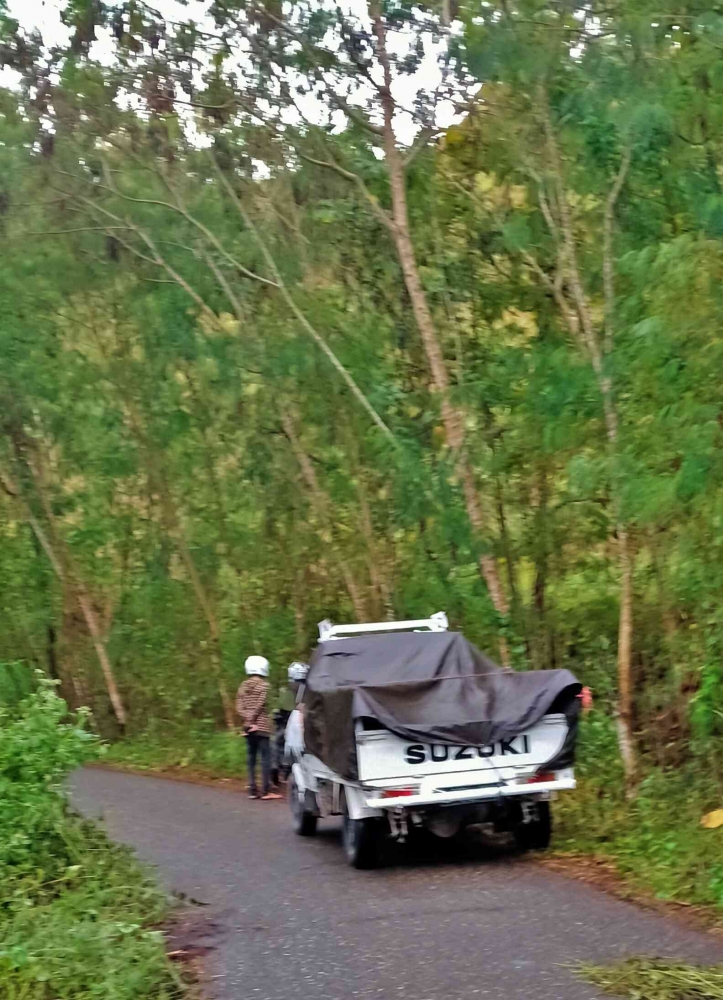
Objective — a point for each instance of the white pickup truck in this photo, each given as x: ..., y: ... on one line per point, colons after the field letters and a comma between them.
x: 402, y: 782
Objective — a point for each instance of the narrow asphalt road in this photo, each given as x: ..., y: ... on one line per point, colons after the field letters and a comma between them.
x: 293, y: 922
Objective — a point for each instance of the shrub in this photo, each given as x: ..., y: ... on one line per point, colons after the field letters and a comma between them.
x: 38, y: 749
x: 78, y: 916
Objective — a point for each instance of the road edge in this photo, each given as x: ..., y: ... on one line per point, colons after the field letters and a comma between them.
x: 593, y: 870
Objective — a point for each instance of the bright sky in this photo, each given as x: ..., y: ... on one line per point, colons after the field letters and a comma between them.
x: 41, y: 15
x: 45, y: 16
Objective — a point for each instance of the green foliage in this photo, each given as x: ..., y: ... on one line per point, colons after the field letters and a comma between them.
x: 706, y: 716
x: 655, y: 840
x: 97, y: 936
x: 78, y: 916
x: 37, y: 751
x: 16, y: 683
x: 649, y: 979
x: 198, y: 749
x: 187, y: 475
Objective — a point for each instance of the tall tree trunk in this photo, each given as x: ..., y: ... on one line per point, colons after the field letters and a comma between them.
x: 507, y: 550
x: 543, y: 652
x: 452, y: 416
x: 62, y: 562
x: 102, y: 653
x: 625, y: 636
x: 51, y: 637
x: 488, y: 564
x: 73, y: 679
x: 51, y: 648
x: 598, y: 346
x: 72, y: 652
x: 80, y: 594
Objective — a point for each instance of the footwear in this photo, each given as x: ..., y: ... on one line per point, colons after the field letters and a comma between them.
x: 270, y: 795
x: 254, y: 795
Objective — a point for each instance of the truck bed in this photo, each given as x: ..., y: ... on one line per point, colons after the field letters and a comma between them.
x: 383, y: 757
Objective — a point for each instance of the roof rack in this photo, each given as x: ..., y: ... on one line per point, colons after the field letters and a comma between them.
x: 435, y: 623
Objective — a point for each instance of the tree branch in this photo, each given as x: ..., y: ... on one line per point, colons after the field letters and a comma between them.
x: 291, y: 303
x: 12, y: 491
x: 80, y: 229
x: 355, y: 179
x: 555, y: 287
x: 568, y: 236
x: 608, y: 266
x: 157, y: 258
x: 221, y: 279
x: 180, y: 210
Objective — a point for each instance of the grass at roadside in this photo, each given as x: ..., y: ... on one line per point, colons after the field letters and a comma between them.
x: 656, y: 841
x: 645, y: 979
x: 198, y: 750
x: 96, y: 937
x: 79, y: 918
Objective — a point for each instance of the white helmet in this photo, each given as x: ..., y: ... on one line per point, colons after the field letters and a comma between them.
x: 297, y: 672
x: 257, y: 666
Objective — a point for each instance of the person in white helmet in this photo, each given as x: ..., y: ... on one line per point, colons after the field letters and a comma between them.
x: 252, y: 706
x: 287, y: 703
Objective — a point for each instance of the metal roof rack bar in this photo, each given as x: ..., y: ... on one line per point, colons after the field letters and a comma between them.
x: 435, y: 623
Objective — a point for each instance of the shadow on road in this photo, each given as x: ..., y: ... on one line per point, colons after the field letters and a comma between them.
x: 423, y: 850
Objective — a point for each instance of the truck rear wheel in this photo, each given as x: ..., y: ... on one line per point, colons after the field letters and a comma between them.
x: 303, y: 820
x: 362, y: 841
x: 535, y: 835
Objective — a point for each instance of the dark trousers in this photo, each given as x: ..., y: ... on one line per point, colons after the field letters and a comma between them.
x: 259, y: 745
x: 278, y: 764
x: 278, y: 754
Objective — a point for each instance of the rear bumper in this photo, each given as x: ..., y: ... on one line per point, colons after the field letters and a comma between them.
x: 467, y: 796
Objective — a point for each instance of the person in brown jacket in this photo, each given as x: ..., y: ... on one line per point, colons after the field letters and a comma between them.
x: 252, y: 705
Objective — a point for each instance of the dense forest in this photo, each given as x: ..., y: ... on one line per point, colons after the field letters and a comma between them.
x: 364, y: 313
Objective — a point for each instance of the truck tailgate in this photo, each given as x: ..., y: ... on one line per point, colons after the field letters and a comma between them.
x: 381, y: 755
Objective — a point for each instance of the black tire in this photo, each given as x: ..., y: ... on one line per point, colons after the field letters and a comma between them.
x: 303, y: 820
x: 535, y: 835
x: 362, y: 841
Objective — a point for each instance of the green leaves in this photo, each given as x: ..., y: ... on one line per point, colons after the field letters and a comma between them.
x: 147, y: 354
x: 706, y: 710
x: 38, y: 749
x: 517, y: 234
x: 78, y: 917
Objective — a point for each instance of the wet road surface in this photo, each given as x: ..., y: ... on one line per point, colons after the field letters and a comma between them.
x: 294, y: 922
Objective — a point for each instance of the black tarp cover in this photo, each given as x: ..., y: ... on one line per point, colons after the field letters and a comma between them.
x: 434, y: 687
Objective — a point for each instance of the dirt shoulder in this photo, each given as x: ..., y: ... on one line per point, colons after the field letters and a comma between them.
x: 602, y: 874
x: 189, y: 775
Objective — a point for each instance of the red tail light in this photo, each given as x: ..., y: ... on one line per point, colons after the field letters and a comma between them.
x: 538, y: 778
x: 396, y: 793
